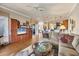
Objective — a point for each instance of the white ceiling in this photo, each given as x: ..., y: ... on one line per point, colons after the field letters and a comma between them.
x: 41, y: 11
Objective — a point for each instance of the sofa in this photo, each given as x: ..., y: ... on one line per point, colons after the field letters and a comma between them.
x: 67, y: 45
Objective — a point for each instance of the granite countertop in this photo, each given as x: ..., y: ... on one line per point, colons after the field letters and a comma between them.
x: 21, y: 32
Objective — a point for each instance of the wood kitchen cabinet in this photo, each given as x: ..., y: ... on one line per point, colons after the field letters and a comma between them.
x: 22, y: 37
x: 17, y: 37
x: 30, y: 33
x: 14, y: 24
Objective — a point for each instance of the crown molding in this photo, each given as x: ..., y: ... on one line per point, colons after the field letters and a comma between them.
x: 3, y: 7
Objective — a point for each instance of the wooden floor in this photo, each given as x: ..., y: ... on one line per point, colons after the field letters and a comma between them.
x: 12, y: 49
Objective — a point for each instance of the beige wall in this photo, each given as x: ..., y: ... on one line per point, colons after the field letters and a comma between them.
x: 18, y: 17
x: 3, y: 13
x: 75, y: 16
x: 14, y: 16
x: 76, y: 19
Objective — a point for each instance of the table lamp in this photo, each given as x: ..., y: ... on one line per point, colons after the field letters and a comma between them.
x: 62, y: 27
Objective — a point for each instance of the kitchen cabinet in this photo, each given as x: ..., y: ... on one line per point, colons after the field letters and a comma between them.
x: 15, y: 37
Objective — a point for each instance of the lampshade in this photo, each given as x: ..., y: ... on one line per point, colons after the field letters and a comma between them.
x: 62, y: 27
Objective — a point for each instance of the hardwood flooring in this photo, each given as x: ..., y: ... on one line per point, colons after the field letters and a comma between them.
x: 13, y: 48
